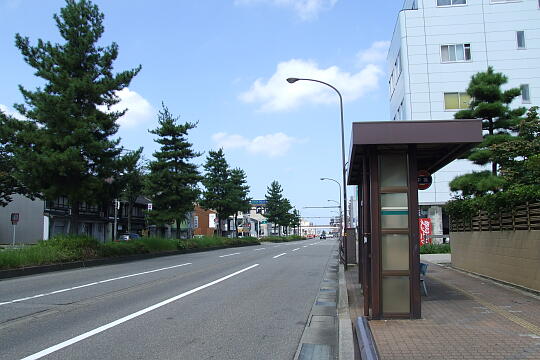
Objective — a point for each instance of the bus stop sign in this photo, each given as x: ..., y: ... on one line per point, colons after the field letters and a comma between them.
x: 14, y: 218
x: 424, y: 180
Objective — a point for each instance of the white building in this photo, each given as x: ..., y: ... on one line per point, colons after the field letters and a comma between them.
x: 438, y: 45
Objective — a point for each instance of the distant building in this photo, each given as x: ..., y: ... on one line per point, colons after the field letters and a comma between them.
x: 438, y: 45
x: 204, y: 222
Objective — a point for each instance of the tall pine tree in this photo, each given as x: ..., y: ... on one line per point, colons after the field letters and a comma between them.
x: 66, y: 146
x: 132, y: 180
x: 172, y: 183
x: 217, y: 184
x: 274, y: 204
x: 239, y: 192
x: 491, y: 104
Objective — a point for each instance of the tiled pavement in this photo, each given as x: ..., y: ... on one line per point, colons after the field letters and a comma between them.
x: 464, y: 317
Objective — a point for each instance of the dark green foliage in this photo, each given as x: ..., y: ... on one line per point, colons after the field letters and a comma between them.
x: 132, y: 180
x: 283, y: 238
x: 477, y: 183
x: 519, y: 156
x: 278, y: 208
x: 491, y: 104
x: 78, y: 247
x: 435, y: 249
x: 9, y: 184
x: 172, y: 181
x: 65, y: 148
x: 217, y: 183
x: 465, y: 209
x: 239, y: 190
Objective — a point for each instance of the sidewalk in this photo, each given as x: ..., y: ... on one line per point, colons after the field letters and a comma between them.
x: 464, y: 317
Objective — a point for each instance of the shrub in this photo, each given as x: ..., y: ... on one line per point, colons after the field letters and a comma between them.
x: 435, y: 249
x: 283, y: 238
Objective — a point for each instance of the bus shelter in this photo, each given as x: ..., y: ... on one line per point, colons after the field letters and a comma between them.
x: 385, y: 162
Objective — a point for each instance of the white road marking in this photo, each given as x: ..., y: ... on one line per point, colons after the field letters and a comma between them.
x: 91, y: 284
x: 260, y: 249
x: 296, y: 249
x: 229, y: 254
x: 105, y: 327
x: 305, y: 246
x: 275, y: 257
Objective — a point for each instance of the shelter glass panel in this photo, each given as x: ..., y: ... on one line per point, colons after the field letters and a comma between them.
x: 395, y: 252
x: 393, y: 170
x: 396, y: 297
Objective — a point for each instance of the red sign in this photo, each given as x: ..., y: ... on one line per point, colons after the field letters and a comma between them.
x: 426, y: 229
x: 14, y: 218
x: 424, y: 180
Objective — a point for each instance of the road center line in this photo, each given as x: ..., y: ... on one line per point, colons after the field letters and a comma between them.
x: 91, y: 284
x: 105, y: 327
x: 229, y: 254
x: 296, y: 249
x: 275, y: 257
x: 260, y: 249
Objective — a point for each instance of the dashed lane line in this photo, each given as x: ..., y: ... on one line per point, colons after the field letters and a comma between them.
x: 222, y: 256
x: 134, y: 315
x: 275, y: 257
x: 91, y: 284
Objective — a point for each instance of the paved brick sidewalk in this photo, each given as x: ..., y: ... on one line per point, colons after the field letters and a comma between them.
x: 464, y: 317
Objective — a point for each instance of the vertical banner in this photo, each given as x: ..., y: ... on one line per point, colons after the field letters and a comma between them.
x: 425, y: 227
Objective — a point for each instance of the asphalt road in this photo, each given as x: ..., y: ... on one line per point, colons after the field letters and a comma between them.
x: 240, y: 303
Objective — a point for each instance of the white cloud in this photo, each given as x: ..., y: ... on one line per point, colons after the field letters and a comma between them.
x: 271, y: 145
x: 278, y: 95
x: 375, y: 54
x: 306, y: 9
x: 11, y: 112
x: 139, y: 109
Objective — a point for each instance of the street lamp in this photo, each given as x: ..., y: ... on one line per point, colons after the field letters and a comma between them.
x: 293, y: 80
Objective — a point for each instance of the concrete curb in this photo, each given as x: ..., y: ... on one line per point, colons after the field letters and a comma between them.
x: 345, y: 333
x: 33, y: 270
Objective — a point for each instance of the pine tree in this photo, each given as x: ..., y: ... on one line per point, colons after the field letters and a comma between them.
x: 491, y: 104
x: 172, y: 181
x: 132, y: 180
x: 65, y: 146
x: 217, y: 184
x: 274, y: 203
x: 239, y: 192
x: 9, y: 184
x: 519, y: 158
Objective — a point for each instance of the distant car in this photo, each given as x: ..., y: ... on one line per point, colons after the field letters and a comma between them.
x: 127, y: 237
x: 323, y: 236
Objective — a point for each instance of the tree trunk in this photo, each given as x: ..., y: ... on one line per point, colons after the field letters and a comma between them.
x: 130, y: 210
x: 493, y: 164
x: 73, y: 225
x: 236, y: 224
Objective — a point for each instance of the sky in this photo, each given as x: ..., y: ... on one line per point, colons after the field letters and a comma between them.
x: 224, y: 64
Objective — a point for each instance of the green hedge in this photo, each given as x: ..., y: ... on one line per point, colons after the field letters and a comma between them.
x: 283, y: 238
x: 435, y: 249
x: 67, y: 248
x: 465, y: 209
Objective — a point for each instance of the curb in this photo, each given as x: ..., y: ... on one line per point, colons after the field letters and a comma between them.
x: 345, y: 333
x: 33, y: 270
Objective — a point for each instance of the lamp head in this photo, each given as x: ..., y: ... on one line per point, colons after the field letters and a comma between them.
x: 292, y: 80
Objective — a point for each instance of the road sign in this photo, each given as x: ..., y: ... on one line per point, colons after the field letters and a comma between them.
x: 264, y: 222
x: 149, y: 206
x: 14, y: 218
x: 424, y: 180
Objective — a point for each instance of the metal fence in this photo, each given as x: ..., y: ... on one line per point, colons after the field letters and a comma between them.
x: 524, y: 217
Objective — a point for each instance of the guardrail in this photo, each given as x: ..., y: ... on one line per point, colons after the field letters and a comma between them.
x: 366, y: 344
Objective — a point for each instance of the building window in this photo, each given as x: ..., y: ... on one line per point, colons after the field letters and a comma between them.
x: 456, y: 101
x: 525, y: 93
x: 451, y: 2
x: 520, y: 36
x: 195, y: 222
x: 457, y: 52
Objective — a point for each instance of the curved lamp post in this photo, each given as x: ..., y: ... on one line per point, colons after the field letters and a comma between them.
x: 293, y: 80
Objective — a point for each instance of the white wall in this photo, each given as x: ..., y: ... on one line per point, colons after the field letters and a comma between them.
x: 491, y: 31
